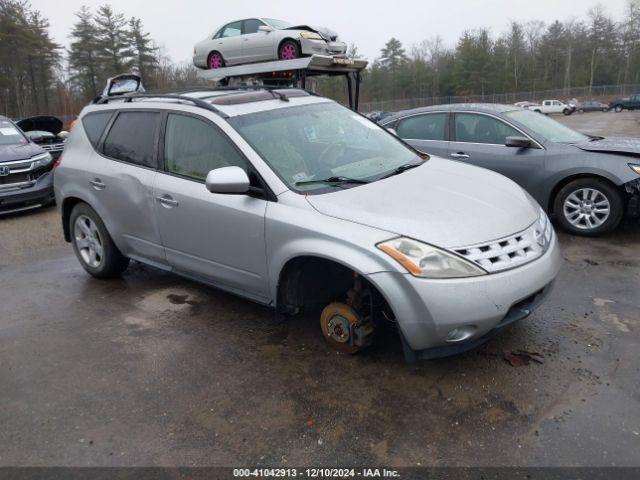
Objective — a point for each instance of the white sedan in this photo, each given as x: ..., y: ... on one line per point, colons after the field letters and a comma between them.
x: 263, y: 39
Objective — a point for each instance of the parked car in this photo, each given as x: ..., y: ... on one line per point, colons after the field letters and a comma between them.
x: 379, y: 116
x: 295, y: 202
x: 628, y: 103
x: 549, y: 107
x: 46, y: 131
x: 592, y: 106
x: 263, y: 39
x: 25, y: 171
x: 586, y: 182
x: 527, y: 105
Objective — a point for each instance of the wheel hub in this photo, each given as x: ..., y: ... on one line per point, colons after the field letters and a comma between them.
x: 587, y: 208
x: 338, y: 328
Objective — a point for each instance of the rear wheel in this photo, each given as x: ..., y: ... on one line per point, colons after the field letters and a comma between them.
x: 93, y: 245
x: 589, y: 207
x: 215, y: 61
x: 289, y: 50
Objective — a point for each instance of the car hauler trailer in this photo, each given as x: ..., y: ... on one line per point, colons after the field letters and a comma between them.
x: 292, y: 73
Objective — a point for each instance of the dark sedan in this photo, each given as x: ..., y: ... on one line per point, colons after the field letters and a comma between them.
x: 592, y: 106
x: 26, y: 179
x: 588, y: 183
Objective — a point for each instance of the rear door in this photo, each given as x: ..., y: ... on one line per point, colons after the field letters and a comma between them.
x: 213, y: 237
x: 427, y: 132
x: 229, y: 43
x: 479, y: 139
x: 125, y: 183
x: 257, y: 46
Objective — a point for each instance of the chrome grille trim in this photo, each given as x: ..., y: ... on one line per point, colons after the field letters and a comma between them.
x: 512, y: 251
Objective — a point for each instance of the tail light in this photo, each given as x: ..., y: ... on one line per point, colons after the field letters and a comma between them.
x: 56, y: 164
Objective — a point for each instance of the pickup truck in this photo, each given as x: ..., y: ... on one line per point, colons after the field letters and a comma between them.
x: 553, y: 106
x: 629, y: 103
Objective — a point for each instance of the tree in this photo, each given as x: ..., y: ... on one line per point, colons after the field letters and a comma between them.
x: 85, y: 58
x: 144, y: 55
x: 112, y: 40
x: 393, y: 56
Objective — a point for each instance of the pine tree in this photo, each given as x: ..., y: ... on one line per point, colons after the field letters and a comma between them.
x: 144, y: 55
x: 85, y: 59
x: 112, y: 40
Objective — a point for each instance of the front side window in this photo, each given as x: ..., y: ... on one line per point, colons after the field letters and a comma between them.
x: 193, y: 147
x: 423, y: 127
x: 278, y: 24
x: 252, y: 25
x: 320, y: 141
x: 232, y: 30
x: 546, y: 127
x: 474, y: 128
x: 10, y: 134
x: 132, y: 138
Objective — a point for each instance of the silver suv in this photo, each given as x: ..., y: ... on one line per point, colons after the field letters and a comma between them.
x: 294, y: 201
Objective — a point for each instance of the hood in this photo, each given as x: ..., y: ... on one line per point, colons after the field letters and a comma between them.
x: 326, y: 33
x: 620, y: 145
x: 10, y: 153
x: 43, y: 123
x: 447, y: 204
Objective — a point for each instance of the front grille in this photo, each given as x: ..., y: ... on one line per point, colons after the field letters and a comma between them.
x: 512, y: 251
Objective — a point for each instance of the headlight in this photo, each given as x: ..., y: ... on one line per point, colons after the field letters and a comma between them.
x: 311, y: 35
x: 41, y: 160
x: 635, y: 168
x: 426, y: 261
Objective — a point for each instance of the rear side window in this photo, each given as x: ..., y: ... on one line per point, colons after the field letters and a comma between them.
x: 423, y: 127
x: 193, y: 148
x: 232, y: 30
x: 94, y: 125
x: 132, y: 138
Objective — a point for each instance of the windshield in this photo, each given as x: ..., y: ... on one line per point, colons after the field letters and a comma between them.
x: 10, y: 135
x: 279, y: 24
x: 547, y: 128
x: 322, y: 141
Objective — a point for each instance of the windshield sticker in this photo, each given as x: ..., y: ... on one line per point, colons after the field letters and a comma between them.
x: 365, y: 122
x: 300, y: 177
x: 9, y: 131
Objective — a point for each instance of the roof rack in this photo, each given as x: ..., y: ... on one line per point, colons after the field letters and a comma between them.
x: 128, y: 98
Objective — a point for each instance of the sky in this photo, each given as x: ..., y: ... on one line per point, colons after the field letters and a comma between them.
x: 178, y: 25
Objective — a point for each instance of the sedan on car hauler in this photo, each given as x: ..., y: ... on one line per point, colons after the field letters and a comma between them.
x: 296, y: 202
x: 587, y: 182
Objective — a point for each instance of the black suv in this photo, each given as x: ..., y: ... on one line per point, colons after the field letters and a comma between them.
x: 26, y: 177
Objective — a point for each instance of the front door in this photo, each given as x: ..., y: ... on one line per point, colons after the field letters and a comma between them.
x: 215, y: 237
x: 257, y: 46
x: 427, y: 132
x: 479, y: 139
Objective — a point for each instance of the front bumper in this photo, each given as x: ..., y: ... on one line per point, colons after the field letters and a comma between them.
x: 40, y: 193
x: 322, y: 47
x: 427, y: 311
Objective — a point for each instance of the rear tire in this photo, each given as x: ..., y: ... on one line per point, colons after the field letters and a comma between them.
x: 588, y: 207
x: 215, y: 60
x: 93, y: 245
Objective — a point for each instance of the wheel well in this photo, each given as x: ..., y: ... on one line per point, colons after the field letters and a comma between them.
x: 307, y: 282
x: 561, y: 184
x: 286, y: 40
x: 67, y: 208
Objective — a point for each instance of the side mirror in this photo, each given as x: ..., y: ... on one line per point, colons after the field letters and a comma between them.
x: 518, y: 142
x: 392, y: 130
x: 230, y: 180
x: 265, y: 29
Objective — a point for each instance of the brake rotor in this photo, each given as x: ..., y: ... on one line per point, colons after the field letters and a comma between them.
x: 336, y: 322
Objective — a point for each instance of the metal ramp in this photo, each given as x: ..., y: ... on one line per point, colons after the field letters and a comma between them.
x: 292, y: 73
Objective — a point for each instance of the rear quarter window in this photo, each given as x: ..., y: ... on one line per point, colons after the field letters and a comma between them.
x: 133, y: 137
x: 94, y: 125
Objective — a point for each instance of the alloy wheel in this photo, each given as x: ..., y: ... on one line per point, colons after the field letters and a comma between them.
x: 88, y: 241
x: 587, y: 208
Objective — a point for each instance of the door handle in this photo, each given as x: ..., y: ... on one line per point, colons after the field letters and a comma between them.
x: 167, y: 201
x: 97, y: 184
x: 459, y: 155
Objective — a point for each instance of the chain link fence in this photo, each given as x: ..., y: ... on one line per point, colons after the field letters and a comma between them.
x: 602, y: 93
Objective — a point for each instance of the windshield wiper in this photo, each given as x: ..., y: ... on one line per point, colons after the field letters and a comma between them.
x: 400, y: 169
x: 332, y: 180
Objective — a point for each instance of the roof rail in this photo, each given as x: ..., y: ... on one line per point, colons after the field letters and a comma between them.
x: 134, y: 96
